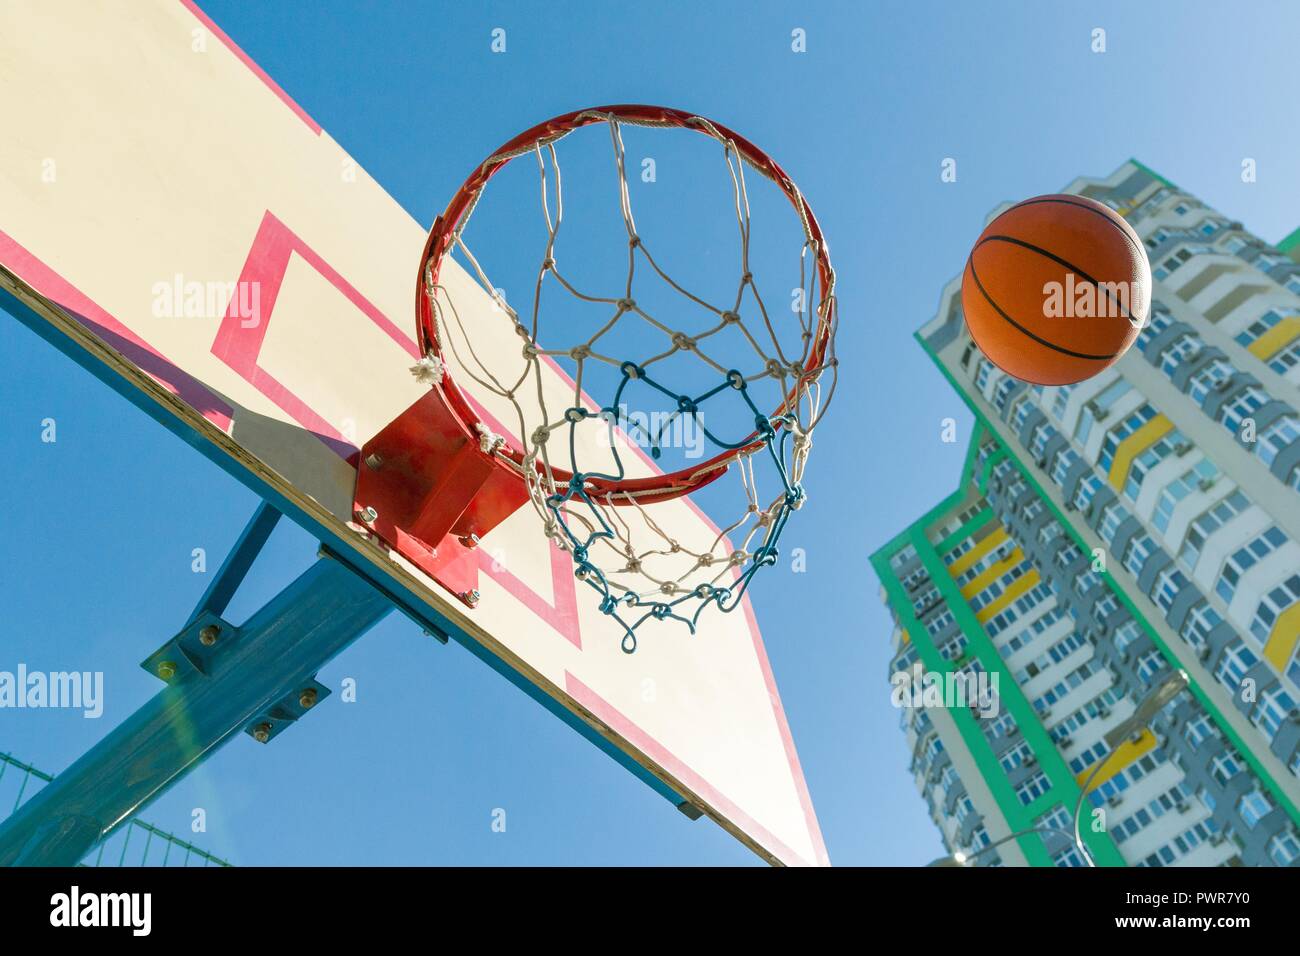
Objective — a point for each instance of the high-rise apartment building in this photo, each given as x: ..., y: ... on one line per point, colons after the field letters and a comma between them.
x: 1103, y: 536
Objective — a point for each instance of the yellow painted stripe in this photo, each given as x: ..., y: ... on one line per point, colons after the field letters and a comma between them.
x: 1017, y: 588
x: 977, y: 552
x: 992, y: 573
x: 1282, y: 639
x: 1121, y: 757
x: 906, y: 637
x: 1134, y: 445
x: 1275, y: 339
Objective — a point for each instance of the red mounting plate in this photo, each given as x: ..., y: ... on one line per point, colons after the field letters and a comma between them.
x: 427, y: 489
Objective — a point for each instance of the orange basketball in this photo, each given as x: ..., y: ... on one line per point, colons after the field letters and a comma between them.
x: 1056, y: 289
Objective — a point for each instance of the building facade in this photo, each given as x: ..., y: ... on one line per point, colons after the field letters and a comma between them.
x: 1104, y: 535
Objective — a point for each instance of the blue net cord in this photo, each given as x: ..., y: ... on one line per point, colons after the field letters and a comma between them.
x: 625, y: 606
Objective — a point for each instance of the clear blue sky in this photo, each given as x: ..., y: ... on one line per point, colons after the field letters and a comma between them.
x: 100, y: 527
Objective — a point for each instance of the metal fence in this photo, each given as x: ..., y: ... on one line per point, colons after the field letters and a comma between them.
x: 135, y: 844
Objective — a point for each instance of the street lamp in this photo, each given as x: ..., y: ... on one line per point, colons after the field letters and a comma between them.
x: 1145, y: 712
x: 1142, y: 715
x: 964, y: 859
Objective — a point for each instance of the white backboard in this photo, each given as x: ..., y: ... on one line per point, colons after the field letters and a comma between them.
x: 150, y: 172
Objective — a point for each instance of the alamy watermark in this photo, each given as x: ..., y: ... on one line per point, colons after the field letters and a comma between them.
x: 1085, y: 299
x: 70, y: 690
x: 955, y: 689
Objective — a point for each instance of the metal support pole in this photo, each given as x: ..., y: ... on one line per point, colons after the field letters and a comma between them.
x: 257, y: 678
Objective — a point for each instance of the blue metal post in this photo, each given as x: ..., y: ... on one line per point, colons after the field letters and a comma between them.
x: 249, y: 678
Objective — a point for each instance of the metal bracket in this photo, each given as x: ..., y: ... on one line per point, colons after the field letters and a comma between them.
x: 281, y: 715
x: 429, y: 492
x: 194, y: 650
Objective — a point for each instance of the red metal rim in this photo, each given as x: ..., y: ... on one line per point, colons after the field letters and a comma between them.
x: 441, y: 239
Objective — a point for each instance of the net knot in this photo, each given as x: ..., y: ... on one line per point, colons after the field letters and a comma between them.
x: 730, y: 317
x: 626, y: 305
x: 579, y: 352
x: 683, y: 341
x: 488, y: 440
x: 429, y: 370
x: 540, y: 434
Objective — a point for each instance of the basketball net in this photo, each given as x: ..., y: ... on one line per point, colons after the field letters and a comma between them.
x: 603, y: 518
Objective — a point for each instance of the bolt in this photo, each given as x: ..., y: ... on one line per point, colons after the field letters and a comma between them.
x: 367, y: 515
x: 262, y: 733
x: 469, y: 540
x: 471, y: 598
x: 167, y: 670
x: 373, y: 460
x: 208, y: 636
x: 307, y: 698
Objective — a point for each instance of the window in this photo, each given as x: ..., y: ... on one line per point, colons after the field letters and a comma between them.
x: 1284, y: 849
x: 1277, y: 436
x: 1208, y: 523
x: 1245, y: 558
x: 985, y: 370
x: 1267, y: 263
x: 1039, y: 438
x: 1114, y: 515
x: 1275, y: 706
x: 1088, y: 486
x: 1159, y: 321
x: 1286, y: 359
x: 1225, y: 766
x: 1253, y: 806
x: 1237, y: 659
x: 1086, y: 582
x: 1149, y: 665
x: 1122, y: 431
x: 1187, y: 345
x: 1242, y: 407
x: 1200, y: 476
x: 1126, y: 635
x: 1273, y: 604
x: 1201, y: 620
x: 1172, y: 443
x: 1137, y: 552
x: 1004, y: 389
x: 1015, y: 756
x: 903, y: 557
x: 1257, y: 328
x: 1020, y: 415
x: 1204, y: 381
x: 1032, y: 789
x: 1065, y: 460
x: 1200, y: 729
x: 1060, y: 400
x: 1169, y: 585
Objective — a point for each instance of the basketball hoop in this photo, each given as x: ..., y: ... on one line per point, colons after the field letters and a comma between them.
x: 604, y: 515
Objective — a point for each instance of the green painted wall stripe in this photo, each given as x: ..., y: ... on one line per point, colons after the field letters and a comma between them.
x: 1152, y: 173
x: 1290, y: 242
x: 1063, y: 789
x: 1199, y: 692
x: 989, y: 462
x: 964, y: 532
